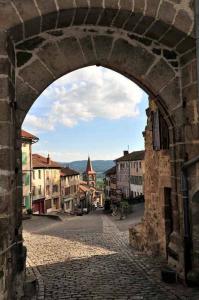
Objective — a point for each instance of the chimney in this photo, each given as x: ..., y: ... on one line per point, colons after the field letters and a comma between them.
x: 126, y: 152
x: 48, y: 159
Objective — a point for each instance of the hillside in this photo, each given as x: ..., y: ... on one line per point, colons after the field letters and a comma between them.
x: 100, y: 166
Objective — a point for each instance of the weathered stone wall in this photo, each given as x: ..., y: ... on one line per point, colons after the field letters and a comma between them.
x: 11, y: 248
x: 151, y: 235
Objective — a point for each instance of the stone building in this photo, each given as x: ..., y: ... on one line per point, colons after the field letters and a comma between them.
x: 154, y: 233
x: 155, y: 45
x: 110, y: 185
x: 89, y: 175
x: 27, y: 140
x: 137, y: 170
x: 45, y: 184
x: 123, y: 176
x: 130, y: 171
x: 70, y: 182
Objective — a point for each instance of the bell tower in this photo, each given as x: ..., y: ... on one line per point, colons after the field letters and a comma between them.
x: 90, y: 175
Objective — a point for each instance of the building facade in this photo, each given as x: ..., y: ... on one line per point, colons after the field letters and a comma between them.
x: 137, y: 170
x: 46, y: 184
x: 130, y: 170
x: 69, y: 181
x: 123, y: 176
x: 27, y: 140
x: 110, y: 185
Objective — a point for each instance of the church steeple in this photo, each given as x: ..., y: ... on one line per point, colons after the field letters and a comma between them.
x: 89, y: 167
x: 90, y: 175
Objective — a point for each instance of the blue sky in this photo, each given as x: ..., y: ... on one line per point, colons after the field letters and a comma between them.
x: 90, y: 111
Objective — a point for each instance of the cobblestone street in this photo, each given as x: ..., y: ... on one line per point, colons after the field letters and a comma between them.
x: 88, y: 257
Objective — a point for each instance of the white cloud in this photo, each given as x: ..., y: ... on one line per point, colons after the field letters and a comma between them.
x: 38, y: 123
x: 84, y: 95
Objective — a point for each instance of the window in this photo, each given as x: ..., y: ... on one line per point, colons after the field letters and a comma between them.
x: 39, y: 190
x: 33, y: 190
x: 33, y: 174
x: 55, y: 188
x: 160, y: 132
x: 140, y: 164
x: 67, y: 191
x: 39, y: 174
x: 48, y: 203
x: 136, y: 180
x: 47, y: 190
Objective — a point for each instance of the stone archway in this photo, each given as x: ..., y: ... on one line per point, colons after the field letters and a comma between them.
x: 38, y: 44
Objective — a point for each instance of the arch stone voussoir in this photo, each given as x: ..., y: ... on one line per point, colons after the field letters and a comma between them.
x: 159, y: 75
x: 132, y: 59
x: 53, y: 58
x: 36, y: 75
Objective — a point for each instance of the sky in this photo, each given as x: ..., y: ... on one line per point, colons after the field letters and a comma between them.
x: 93, y: 111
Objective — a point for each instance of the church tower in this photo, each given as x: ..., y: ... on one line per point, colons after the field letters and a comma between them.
x: 90, y: 175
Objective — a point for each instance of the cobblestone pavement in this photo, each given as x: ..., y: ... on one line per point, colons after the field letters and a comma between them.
x: 89, y: 258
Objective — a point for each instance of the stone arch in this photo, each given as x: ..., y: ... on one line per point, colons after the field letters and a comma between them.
x: 38, y: 66
x: 103, y: 32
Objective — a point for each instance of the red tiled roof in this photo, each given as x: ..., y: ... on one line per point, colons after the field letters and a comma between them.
x: 68, y: 172
x: 27, y: 135
x: 42, y: 162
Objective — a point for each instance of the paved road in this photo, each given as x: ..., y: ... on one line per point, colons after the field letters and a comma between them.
x: 88, y: 257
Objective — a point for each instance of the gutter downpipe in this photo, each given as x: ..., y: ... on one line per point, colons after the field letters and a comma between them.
x: 187, y: 228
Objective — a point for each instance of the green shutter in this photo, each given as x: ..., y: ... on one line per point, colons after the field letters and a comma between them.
x: 27, y: 179
x: 27, y: 202
x: 24, y: 158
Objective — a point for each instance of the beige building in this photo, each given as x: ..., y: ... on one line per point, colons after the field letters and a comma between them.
x: 123, y: 176
x: 70, y: 181
x: 130, y: 169
x: 137, y: 167
x: 27, y: 140
x: 46, y: 184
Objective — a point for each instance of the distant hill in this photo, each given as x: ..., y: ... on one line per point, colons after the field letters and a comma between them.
x: 100, y: 166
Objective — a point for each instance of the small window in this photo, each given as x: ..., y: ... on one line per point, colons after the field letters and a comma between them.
x: 39, y: 174
x: 33, y: 190
x: 39, y: 189
x: 47, y: 190
x: 33, y: 174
